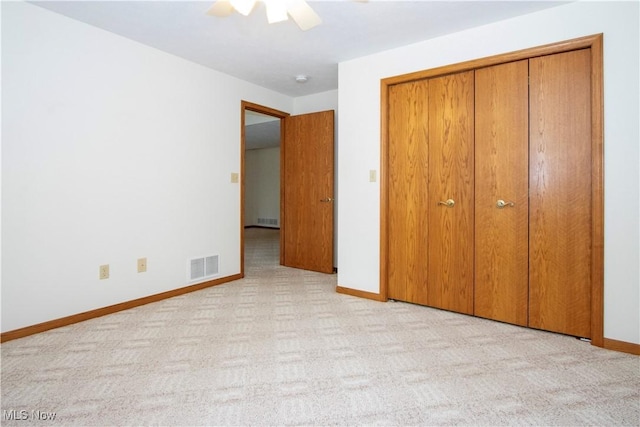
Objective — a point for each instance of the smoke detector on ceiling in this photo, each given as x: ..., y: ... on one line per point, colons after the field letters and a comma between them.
x: 302, y: 78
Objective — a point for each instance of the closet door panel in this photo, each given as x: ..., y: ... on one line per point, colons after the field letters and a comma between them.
x: 502, y: 161
x: 560, y: 193
x: 408, y: 211
x: 451, y: 173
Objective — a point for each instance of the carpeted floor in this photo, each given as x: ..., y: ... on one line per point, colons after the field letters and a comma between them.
x: 280, y: 347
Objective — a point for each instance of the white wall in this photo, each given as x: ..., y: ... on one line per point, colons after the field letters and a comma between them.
x: 317, y: 102
x: 262, y: 185
x: 359, y: 133
x: 111, y: 151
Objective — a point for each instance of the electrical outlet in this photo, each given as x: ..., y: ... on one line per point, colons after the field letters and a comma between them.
x: 142, y: 265
x: 104, y: 271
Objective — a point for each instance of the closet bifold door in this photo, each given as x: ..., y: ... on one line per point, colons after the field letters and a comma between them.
x: 501, y: 192
x: 560, y: 193
x: 408, y: 211
x: 450, y: 192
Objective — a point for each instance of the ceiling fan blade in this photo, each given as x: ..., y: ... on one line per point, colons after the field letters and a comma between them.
x: 220, y: 8
x: 276, y: 11
x: 303, y: 15
x: 243, y: 7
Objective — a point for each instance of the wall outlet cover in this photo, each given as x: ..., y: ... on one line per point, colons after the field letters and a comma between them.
x: 104, y: 272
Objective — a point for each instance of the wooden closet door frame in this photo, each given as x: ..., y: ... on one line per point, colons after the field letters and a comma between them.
x: 594, y: 43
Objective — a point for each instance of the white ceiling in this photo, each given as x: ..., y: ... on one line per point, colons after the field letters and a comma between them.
x: 261, y: 130
x: 272, y: 55
x: 262, y: 135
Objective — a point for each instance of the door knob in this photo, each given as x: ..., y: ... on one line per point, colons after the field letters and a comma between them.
x: 449, y: 203
x: 502, y: 204
x: 327, y: 200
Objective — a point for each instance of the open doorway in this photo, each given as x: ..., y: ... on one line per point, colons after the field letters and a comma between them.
x: 261, y: 178
x: 306, y: 187
x: 262, y: 189
x: 262, y: 171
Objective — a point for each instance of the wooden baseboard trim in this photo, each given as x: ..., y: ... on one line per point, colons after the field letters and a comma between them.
x: 623, y: 346
x: 80, y: 317
x: 360, y: 294
x: 261, y: 226
x: 609, y: 344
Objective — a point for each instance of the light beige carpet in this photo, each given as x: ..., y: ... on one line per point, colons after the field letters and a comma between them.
x: 280, y: 347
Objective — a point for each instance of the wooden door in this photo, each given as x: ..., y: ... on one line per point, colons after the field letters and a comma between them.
x: 451, y: 177
x: 307, y: 192
x: 560, y: 193
x: 408, y: 207
x: 502, y: 162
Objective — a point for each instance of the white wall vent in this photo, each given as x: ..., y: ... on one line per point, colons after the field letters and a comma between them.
x: 203, y: 267
x: 211, y: 265
x: 267, y: 221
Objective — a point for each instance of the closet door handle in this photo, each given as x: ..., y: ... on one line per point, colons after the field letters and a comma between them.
x: 500, y: 204
x: 449, y: 203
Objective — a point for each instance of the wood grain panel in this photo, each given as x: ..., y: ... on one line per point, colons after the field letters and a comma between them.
x: 594, y: 43
x: 502, y: 162
x: 597, y: 188
x: 451, y: 176
x: 407, y: 181
x: 560, y: 193
x: 308, y: 180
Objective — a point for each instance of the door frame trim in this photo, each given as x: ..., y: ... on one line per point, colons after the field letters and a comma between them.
x: 593, y: 42
x: 250, y: 106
